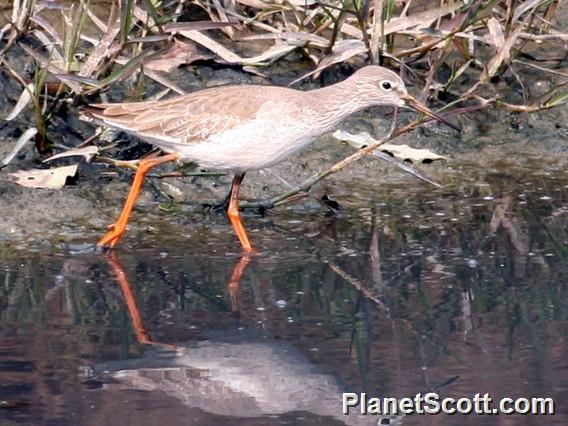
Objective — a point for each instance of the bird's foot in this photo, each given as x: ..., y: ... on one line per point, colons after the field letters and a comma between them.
x: 111, y: 238
x: 247, y: 251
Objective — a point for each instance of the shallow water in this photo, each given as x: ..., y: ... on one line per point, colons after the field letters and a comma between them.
x: 459, y: 291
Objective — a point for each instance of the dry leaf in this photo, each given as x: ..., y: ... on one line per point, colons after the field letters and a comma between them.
x: 521, y: 9
x: 402, y: 152
x: 502, y: 57
x: 43, y: 23
x: 363, y: 139
x: 302, y: 3
x: 223, y: 18
x: 414, y: 155
x: 495, y: 36
x: 156, y: 76
x: 49, y: 45
x: 51, y: 67
x: 267, y: 57
x: 420, y: 20
x: 313, y: 39
x: 23, y: 101
x: 256, y: 4
x: 175, y: 27
x: 103, y: 49
x: 22, y: 141
x: 179, y: 53
x: 50, y: 178
x: 213, y: 46
x: 343, y: 50
x: 412, y: 23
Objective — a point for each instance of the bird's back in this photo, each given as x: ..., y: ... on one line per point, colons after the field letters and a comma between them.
x: 188, y: 119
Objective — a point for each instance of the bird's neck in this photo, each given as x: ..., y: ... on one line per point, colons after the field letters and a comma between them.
x: 337, y: 102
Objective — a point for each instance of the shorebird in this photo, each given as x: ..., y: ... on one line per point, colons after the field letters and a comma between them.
x: 242, y: 128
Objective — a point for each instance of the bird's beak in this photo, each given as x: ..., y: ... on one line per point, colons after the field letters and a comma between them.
x: 419, y: 106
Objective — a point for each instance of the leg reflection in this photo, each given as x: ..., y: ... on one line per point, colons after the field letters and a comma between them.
x: 234, y: 282
x: 117, y: 271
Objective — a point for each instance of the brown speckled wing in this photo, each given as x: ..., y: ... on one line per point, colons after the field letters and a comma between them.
x: 185, y: 119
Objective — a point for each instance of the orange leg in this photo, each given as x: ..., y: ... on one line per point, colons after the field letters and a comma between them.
x: 235, y: 217
x: 117, y: 229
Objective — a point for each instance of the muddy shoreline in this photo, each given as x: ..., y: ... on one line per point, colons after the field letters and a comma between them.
x: 493, y: 141
x: 538, y: 146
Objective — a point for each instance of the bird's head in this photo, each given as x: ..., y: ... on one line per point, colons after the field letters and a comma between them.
x: 381, y: 86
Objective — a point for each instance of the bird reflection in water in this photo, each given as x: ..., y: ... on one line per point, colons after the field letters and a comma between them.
x: 231, y: 374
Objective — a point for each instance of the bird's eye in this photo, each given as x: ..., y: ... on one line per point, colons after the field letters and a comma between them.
x: 387, y: 85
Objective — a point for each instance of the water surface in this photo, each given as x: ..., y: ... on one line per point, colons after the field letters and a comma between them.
x: 404, y: 290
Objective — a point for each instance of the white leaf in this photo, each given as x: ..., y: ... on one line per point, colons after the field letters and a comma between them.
x: 50, y: 178
x: 407, y: 153
x: 495, y: 36
x: 23, y: 101
x: 402, y: 152
x: 22, y: 141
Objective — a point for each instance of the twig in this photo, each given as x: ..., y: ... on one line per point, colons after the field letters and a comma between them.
x: 91, y: 138
x: 131, y: 164
x: 539, y: 37
x: 359, y: 286
x: 544, y: 69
